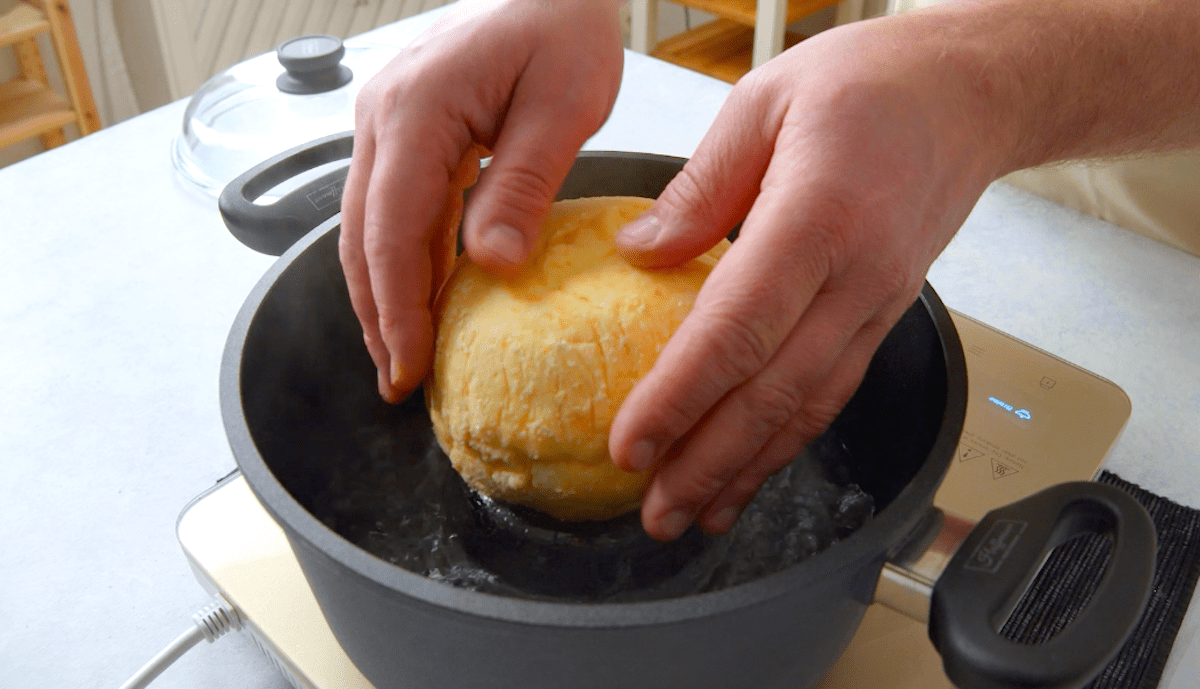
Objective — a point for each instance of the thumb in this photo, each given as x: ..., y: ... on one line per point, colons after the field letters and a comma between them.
x: 541, y: 136
x: 709, y: 197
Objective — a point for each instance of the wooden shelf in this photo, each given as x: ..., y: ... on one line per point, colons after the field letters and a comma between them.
x: 721, y: 48
x: 738, y: 40
x: 28, y: 108
x: 24, y: 21
x: 744, y: 12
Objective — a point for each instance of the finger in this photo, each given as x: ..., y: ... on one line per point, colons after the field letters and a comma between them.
x: 722, y: 512
x: 537, y: 146
x: 713, y: 192
x: 735, y: 431
x: 750, y: 302
x: 354, y: 260
x: 444, y: 244
x: 467, y: 173
x: 399, y: 225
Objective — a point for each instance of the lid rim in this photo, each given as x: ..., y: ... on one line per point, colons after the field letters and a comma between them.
x: 268, y: 119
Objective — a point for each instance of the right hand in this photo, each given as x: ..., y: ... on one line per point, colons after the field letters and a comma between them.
x: 529, y: 81
x: 850, y: 161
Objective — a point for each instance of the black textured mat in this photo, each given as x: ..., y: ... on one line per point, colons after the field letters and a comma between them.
x: 1067, y: 580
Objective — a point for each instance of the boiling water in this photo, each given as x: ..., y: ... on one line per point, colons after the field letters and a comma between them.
x: 397, y: 497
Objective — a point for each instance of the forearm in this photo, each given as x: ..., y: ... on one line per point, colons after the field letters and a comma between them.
x: 1051, y: 80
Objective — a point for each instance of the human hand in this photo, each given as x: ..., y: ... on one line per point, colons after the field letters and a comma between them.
x: 529, y: 81
x: 852, y: 169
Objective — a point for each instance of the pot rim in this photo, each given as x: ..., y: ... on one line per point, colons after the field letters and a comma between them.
x: 861, y: 549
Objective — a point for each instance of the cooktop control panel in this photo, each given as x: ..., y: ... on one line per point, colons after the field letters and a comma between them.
x: 1033, y: 420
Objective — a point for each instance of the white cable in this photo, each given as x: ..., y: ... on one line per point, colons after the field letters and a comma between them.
x: 209, y: 624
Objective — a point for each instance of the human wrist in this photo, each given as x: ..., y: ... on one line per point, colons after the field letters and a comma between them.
x: 943, y: 58
x: 928, y: 69
x: 1048, y: 81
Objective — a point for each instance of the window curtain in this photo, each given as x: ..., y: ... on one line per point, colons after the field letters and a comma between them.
x: 104, y: 59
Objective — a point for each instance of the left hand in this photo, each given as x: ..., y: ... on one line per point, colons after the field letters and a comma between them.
x: 528, y: 81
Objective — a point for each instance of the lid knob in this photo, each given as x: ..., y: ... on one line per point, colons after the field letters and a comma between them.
x: 313, y: 64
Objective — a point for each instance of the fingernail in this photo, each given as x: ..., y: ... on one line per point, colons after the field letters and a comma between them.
x: 397, y: 373
x: 385, y: 388
x: 724, y: 520
x: 504, y: 243
x: 641, y: 455
x: 672, y: 524
x: 642, y: 231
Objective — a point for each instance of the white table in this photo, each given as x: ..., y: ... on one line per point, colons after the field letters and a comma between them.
x: 118, y: 285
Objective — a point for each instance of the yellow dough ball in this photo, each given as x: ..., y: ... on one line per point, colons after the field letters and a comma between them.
x: 529, y: 371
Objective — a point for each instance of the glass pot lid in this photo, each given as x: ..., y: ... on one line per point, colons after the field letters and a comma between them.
x: 265, y: 105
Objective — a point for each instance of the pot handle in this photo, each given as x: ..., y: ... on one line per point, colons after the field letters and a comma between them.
x: 991, y: 571
x: 273, y: 228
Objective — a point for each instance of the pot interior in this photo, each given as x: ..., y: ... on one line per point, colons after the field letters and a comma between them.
x: 367, y: 469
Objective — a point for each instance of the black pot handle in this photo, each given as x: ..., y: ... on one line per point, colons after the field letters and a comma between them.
x: 273, y: 228
x: 995, y: 565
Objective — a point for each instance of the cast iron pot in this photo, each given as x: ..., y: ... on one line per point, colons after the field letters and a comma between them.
x: 296, y: 383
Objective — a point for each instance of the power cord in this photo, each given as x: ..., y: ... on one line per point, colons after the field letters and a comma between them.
x: 209, y: 624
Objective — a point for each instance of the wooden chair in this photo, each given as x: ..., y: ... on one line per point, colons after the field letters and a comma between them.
x: 28, y: 106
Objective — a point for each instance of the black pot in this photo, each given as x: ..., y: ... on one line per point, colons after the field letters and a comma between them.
x: 297, y: 388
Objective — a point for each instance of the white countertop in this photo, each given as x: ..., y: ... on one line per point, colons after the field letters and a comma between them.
x: 118, y: 286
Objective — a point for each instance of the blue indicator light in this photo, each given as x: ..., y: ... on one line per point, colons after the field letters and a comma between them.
x: 1019, y: 413
x: 999, y: 403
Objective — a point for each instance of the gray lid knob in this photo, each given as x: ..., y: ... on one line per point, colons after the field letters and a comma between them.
x: 313, y: 64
